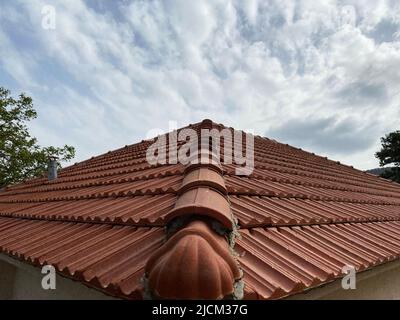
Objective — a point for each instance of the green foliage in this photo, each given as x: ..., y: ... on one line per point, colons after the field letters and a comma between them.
x: 391, y: 174
x: 390, y: 154
x: 21, y: 157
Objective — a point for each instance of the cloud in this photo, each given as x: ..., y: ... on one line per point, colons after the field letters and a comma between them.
x: 363, y: 94
x: 326, y: 134
x: 315, y: 74
x: 385, y: 31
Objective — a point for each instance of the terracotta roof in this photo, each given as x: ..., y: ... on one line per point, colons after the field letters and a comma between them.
x: 194, y: 256
x: 135, y: 230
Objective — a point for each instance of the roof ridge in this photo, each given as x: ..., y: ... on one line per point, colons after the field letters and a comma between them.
x: 200, y: 233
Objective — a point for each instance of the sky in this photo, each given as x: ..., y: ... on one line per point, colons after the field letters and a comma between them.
x: 320, y: 75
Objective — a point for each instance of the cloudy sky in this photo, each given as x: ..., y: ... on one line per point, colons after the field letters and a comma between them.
x: 320, y: 75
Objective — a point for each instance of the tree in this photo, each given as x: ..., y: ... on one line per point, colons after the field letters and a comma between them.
x: 390, y: 154
x: 21, y: 157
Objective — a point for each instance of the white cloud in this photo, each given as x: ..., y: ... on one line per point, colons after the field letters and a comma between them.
x: 102, y: 79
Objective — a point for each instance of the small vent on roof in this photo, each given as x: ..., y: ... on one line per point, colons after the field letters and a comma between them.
x: 52, y: 169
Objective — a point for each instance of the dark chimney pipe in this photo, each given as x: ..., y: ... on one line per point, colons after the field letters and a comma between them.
x: 52, y: 169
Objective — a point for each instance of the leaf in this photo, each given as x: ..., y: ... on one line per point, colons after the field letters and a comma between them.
x: 21, y: 157
x: 390, y: 154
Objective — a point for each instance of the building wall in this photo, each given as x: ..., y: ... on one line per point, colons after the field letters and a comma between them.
x: 381, y: 286
x: 381, y: 282
x: 7, y: 277
x: 22, y: 281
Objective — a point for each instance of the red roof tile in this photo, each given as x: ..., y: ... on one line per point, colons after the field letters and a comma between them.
x: 106, y: 257
x: 191, y: 258
x: 203, y: 201
x: 281, y: 261
x: 301, y: 217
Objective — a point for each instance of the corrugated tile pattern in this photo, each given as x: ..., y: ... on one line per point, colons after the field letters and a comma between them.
x: 292, y: 187
x: 304, y: 217
x: 286, y: 260
x: 253, y: 211
x: 84, y: 222
x: 120, y: 196
x: 106, y: 257
x: 138, y: 210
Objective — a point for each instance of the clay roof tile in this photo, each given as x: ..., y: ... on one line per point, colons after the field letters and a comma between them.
x: 203, y: 201
x: 195, y: 263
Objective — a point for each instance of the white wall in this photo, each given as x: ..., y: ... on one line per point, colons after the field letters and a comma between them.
x: 22, y: 281
x: 382, y: 282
